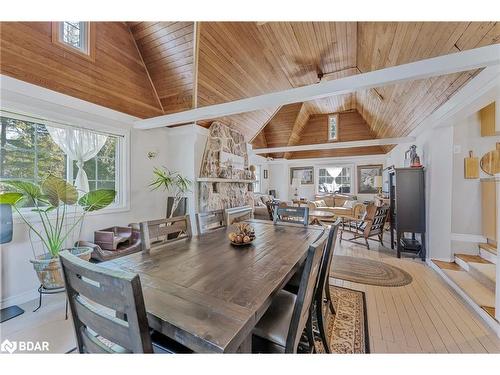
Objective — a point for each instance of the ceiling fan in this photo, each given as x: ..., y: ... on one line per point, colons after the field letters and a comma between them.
x: 306, y: 66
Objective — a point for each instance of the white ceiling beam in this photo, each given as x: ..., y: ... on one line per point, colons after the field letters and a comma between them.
x: 336, y: 145
x: 436, y: 66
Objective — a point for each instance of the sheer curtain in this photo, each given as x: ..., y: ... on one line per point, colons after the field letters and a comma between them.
x: 80, y: 145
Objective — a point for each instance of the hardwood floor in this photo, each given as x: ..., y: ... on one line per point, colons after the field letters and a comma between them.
x: 426, y: 316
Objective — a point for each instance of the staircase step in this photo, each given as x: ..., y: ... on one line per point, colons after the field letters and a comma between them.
x: 484, y: 273
x: 488, y: 252
x: 480, y: 294
x: 463, y: 260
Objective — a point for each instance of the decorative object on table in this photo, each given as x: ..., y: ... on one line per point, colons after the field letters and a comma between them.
x: 244, y: 234
x: 471, y: 166
x: 176, y: 184
x: 305, y: 174
x: 411, y: 157
x: 490, y: 162
x: 366, y: 178
x: 53, y: 199
x: 407, y: 206
x: 265, y: 174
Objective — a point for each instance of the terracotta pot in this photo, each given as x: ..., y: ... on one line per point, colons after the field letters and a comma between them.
x: 49, y: 270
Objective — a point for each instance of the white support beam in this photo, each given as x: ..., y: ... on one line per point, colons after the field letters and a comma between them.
x: 336, y: 145
x: 437, y: 66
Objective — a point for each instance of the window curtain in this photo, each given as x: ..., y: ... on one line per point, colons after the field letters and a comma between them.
x: 334, y: 172
x: 80, y: 145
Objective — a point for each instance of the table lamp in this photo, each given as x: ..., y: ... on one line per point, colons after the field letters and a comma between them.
x: 295, y: 185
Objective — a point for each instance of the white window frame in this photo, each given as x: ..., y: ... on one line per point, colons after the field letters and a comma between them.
x: 258, y: 181
x: 335, y: 165
x: 87, y: 38
x: 122, y: 161
x: 336, y: 117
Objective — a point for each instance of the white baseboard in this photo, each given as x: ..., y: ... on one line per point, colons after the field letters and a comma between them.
x: 492, y: 323
x: 19, y: 299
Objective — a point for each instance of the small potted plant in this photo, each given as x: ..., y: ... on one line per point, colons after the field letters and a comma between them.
x: 56, y: 204
x: 176, y: 184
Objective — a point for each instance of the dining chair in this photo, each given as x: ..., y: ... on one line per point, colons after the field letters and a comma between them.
x: 155, y: 233
x: 297, y: 215
x: 323, y: 304
x: 210, y: 221
x: 107, y: 306
x: 281, y: 327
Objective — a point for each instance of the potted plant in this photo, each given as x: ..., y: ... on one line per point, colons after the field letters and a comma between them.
x: 54, y: 200
x: 173, y: 182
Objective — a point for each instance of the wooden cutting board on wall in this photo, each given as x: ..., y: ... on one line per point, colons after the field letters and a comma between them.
x: 490, y: 162
x: 471, y: 166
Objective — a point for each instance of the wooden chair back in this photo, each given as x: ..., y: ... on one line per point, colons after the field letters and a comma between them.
x: 210, y: 221
x: 375, y: 220
x: 326, y: 262
x: 302, y: 309
x: 98, y: 297
x: 155, y: 233
x: 297, y: 215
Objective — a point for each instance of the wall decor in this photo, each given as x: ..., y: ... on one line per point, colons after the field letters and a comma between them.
x: 490, y: 162
x: 265, y: 174
x: 366, y: 178
x: 471, y: 166
x: 305, y: 174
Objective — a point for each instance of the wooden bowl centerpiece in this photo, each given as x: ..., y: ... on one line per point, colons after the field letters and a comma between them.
x: 243, y: 235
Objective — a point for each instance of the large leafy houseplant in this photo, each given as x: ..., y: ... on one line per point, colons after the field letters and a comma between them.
x: 56, y: 204
x: 171, y: 181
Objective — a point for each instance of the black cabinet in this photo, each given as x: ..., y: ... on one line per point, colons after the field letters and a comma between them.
x: 407, y: 213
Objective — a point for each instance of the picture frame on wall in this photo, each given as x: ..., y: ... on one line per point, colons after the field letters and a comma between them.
x: 366, y: 178
x: 305, y: 174
x: 265, y: 174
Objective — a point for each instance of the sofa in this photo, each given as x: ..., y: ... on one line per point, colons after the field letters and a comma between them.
x: 338, y: 204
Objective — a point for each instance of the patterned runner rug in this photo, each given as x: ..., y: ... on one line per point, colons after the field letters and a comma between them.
x: 348, y: 329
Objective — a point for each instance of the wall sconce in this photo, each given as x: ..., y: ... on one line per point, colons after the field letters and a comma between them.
x: 152, y: 154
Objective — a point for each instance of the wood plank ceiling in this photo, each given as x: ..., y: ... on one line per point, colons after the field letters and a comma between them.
x: 152, y: 68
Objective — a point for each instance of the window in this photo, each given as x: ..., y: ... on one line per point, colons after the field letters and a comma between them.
x: 334, y: 179
x: 28, y: 152
x: 257, y: 184
x: 75, y: 36
x: 333, y: 121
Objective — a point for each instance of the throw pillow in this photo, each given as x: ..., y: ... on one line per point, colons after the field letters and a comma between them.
x: 349, y: 203
x: 320, y: 203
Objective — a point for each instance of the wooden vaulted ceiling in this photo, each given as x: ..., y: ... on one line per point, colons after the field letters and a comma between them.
x: 152, y: 68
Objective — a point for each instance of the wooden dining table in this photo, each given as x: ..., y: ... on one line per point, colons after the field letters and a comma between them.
x: 207, y: 294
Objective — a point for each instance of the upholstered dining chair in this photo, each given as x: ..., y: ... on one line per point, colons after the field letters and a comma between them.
x: 155, y: 233
x: 107, y: 306
x: 281, y: 327
x: 210, y: 221
x: 287, y: 214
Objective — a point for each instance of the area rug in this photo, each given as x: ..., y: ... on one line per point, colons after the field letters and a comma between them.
x: 348, y: 329
x: 367, y: 271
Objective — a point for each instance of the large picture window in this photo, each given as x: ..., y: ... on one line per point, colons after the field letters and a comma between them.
x: 30, y: 150
x: 335, y: 179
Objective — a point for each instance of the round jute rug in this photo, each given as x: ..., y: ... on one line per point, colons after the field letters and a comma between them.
x: 367, y: 271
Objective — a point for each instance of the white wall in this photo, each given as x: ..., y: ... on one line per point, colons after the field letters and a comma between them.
x: 18, y: 281
x: 466, y: 193
x: 279, y: 178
